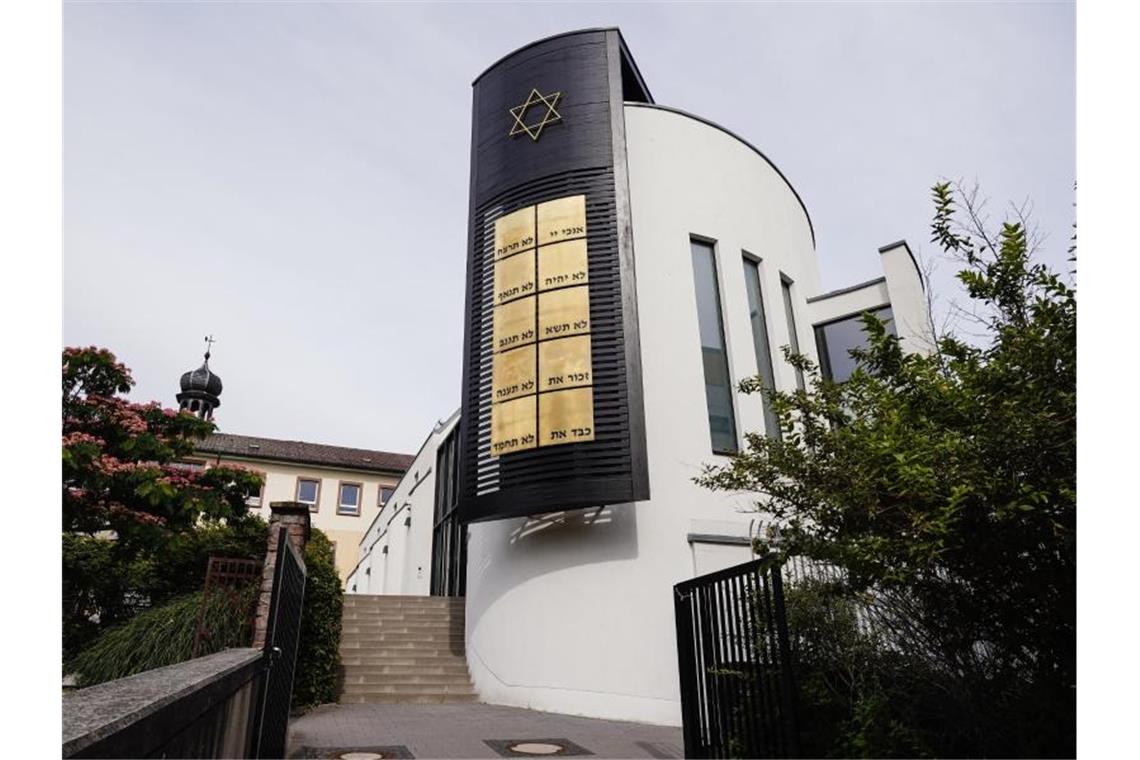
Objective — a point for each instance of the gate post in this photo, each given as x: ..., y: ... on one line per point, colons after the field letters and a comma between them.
x: 294, y: 517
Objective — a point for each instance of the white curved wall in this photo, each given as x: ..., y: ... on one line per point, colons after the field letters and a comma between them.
x: 574, y: 613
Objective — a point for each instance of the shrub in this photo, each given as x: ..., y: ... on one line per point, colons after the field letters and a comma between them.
x: 164, y: 635
x: 106, y: 584
x: 318, y: 655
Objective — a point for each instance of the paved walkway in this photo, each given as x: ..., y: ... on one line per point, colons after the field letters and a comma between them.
x: 469, y: 731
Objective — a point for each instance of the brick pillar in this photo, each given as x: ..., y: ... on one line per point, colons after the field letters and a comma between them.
x: 294, y: 516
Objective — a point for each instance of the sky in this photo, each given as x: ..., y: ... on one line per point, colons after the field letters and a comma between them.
x: 292, y: 178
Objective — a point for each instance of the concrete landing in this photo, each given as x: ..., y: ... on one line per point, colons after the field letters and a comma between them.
x: 469, y: 731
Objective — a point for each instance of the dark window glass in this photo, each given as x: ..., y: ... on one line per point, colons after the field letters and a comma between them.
x: 760, y: 341
x: 307, y: 492
x: 385, y: 494
x: 793, y: 336
x: 835, y: 340
x: 718, y: 386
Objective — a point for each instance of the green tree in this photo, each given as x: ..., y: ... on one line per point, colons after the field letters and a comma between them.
x: 126, y: 498
x: 943, y: 484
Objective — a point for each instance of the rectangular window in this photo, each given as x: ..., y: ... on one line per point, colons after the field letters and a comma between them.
x: 348, y: 500
x: 308, y: 492
x: 385, y: 494
x: 718, y: 385
x: 835, y: 340
x: 760, y: 342
x: 253, y: 500
x: 793, y: 336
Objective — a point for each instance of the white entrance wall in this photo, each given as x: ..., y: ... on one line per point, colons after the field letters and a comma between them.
x: 574, y: 612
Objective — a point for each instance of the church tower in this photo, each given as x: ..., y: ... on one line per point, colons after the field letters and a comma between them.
x: 201, y: 388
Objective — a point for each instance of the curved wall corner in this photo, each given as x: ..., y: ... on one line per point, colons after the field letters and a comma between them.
x: 573, y: 612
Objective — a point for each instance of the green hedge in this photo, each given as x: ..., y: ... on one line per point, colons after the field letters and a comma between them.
x: 100, y: 578
x: 164, y: 635
x: 318, y: 655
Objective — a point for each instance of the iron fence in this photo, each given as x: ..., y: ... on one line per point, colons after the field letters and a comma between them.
x: 281, y: 640
x: 737, y: 690
x: 233, y: 579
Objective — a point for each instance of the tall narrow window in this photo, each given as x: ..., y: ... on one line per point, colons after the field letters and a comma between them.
x: 793, y: 337
x: 760, y: 342
x: 718, y: 386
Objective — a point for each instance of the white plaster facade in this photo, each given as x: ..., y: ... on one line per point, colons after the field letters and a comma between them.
x: 395, y: 552
x: 573, y: 612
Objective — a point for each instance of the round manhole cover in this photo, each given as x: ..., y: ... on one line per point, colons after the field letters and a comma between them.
x: 535, y: 748
x: 360, y: 756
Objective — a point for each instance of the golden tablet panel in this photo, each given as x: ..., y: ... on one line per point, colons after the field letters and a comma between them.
x: 513, y: 426
x: 513, y: 324
x: 564, y: 363
x: 514, y: 232
x: 562, y: 264
x: 562, y: 219
x: 512, y: 373
x: 562, y: 313
x: 566, y: 416
x: 514, y: 277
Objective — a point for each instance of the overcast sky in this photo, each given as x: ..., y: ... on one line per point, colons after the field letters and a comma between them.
x: 258, y: 171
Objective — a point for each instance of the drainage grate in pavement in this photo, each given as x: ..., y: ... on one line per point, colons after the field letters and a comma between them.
x: 536, y: 747
x: 356, y: 753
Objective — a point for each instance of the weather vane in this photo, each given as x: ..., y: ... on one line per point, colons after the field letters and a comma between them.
x: 209, y: 344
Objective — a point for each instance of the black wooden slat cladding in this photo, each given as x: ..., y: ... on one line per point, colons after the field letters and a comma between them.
x: 575, y: 65
x: 560, y: 475
x: 583, y: 153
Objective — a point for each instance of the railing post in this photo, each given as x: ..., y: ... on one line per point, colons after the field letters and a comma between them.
x: 791, y: 724
x: 687, y: 665
x: 294, y: 517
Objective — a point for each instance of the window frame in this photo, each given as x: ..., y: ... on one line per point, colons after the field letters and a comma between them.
x: 316, y: 505
x: 722, y: 325
x: 786, y: 285
x: 380, y: 501
x: 340, y: 484
x: 755, y: 264
x: 261, y: 491
x: 825, y: 369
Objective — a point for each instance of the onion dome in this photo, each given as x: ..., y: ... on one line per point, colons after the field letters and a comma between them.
x: 201, y: 388
x: 202, y: 379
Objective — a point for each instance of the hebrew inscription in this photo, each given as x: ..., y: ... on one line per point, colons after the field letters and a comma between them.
x: 541, y: 370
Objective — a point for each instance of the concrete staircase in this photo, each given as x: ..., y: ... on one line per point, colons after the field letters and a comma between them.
x: 404, y: 649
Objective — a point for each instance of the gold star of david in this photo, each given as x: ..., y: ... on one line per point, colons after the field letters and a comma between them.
x: 550, y: 117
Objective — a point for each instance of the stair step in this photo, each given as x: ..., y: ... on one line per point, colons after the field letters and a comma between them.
x: 398, y: 637
x: 405, y: 669
x: 367, y: 656
x: 424, y: 689
x: 408, y: 679
x: 373, y: 699
x: 404, y: 649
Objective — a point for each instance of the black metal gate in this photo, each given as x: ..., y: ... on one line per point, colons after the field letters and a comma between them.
x: 737, y: 694
x: 281, y: 637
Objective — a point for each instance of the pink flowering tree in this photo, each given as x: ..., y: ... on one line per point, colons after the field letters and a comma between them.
x: 126, y: 492
x: 121, y: 460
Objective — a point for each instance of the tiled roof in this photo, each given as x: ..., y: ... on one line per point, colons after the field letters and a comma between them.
x: 300, y: 452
